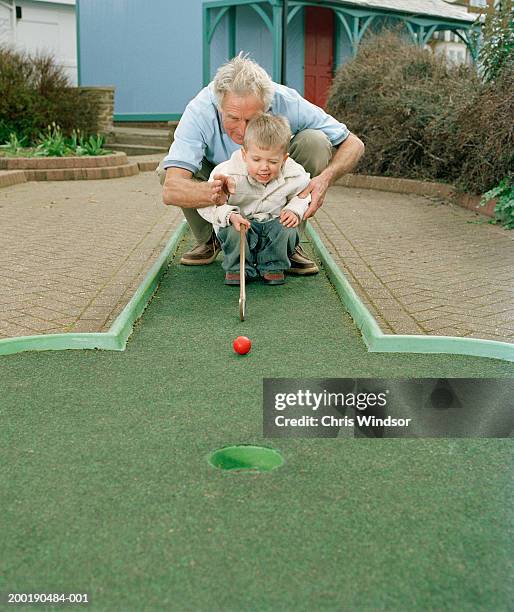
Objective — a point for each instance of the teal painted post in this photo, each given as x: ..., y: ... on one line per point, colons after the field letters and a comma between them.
x: 283, y: 63
x: 232, y: 32
x: 421, y: 36
x: 413, y: 30
x: 427, y: 35
x: 277, y: 44
x: 471, y: 38
x: 355, y: 36
x: 473, y: 43
x: 337, y: 43
x: 206, y: 46
x: 364, y: 27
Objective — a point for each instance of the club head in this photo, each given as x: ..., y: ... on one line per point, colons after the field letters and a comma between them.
x: 242, y: 309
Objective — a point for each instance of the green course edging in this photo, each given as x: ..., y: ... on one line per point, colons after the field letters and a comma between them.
x: 116, y: 338
x: 378, y: 342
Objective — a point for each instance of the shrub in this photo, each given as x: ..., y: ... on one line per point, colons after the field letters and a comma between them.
x: 35, y: 93
x: 421, y: 118
x: 482, y: 139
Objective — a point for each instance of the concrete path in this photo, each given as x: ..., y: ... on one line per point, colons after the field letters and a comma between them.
x: 73, y: 254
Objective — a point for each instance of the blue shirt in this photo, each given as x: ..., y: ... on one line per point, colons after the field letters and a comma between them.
x: 200, y: 131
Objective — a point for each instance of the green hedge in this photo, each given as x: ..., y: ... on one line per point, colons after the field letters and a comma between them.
x: 35, y: 93
x: 423, y: 119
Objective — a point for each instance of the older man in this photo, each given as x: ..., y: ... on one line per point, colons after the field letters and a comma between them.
x: 213, y: 127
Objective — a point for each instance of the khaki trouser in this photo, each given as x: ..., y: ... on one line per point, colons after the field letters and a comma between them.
x: 310, y: 148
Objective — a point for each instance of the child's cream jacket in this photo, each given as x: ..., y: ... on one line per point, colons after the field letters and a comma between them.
x: 254, y: 200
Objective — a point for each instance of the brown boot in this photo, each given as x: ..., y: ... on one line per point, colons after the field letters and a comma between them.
x: 202, y: 254
x: 301, y: 264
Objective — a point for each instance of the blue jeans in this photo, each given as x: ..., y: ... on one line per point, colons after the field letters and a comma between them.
x: 268, y: 246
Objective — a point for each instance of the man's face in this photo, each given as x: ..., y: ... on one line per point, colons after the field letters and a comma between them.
x: 236, y: 112
x: 263, y: 164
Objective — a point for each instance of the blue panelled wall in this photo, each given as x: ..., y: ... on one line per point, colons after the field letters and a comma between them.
x: 151, y: 52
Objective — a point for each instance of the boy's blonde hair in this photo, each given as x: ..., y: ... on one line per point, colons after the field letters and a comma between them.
x: 268, y: 132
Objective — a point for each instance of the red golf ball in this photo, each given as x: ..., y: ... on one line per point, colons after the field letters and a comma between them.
x: 242, y: 345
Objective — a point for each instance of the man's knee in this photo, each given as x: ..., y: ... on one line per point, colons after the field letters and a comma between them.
x: 311, y: 149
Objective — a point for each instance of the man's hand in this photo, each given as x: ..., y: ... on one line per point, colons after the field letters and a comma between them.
x: 317, y: 188
x: 288, y: 218
x: 345, y: 159
x: 221, y: 188
x: 237, y: 220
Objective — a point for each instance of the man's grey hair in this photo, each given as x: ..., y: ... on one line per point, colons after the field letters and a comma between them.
x: 242, y: 76
x: 268, y: 132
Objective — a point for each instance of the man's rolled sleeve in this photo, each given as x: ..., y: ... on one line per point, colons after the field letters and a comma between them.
x: 188, y: 147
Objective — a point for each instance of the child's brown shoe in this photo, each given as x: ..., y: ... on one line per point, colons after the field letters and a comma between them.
x: 232, y: 278
x: 274, y: 278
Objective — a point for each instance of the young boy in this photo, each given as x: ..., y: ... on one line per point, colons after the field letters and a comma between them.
x: 265, y: 183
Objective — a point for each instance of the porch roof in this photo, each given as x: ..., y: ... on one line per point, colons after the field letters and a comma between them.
x: 421, y: 17
x: 432, y: 8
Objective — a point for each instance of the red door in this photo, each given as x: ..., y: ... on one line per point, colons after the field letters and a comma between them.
x: 319, y: 53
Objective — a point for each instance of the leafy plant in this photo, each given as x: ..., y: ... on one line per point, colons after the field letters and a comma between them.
x: 75, y: 141
x: 52, y: 143
x: 92, y: 146
x: 504, y: 209
x: 497, y: 48
x: 13, y: 146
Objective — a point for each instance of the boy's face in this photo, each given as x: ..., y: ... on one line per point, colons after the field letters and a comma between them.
x: 263, y: 165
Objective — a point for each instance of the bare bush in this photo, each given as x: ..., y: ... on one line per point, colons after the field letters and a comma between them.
x: 421, y: 118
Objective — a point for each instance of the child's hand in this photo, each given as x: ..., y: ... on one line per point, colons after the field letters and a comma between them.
x: 237, y: 220
x: 289, y: 219
x: 221, y: 188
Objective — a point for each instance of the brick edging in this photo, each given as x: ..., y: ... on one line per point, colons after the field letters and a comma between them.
x: 55, y: 163
x: 12, y: 177
x: 399, y: 185
x: 147, y: 166
x: 81, y: 174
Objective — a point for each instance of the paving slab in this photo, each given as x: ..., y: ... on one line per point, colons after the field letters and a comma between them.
x: 420, y: 265
x: 74, y: 254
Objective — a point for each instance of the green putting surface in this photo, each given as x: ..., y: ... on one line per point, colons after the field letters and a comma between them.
x: 107, y: 489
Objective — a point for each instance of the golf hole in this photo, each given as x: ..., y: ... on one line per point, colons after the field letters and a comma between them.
x: 246, y: 457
